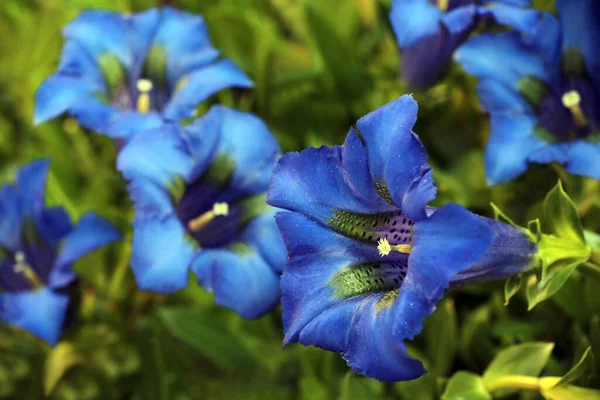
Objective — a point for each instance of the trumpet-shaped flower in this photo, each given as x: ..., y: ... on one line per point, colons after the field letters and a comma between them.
x: 38, y: 245
x: 199, y: 192
x: 368, y: 259
x: 542, y: 91
x: 428, y: 32
x: 120, y: 74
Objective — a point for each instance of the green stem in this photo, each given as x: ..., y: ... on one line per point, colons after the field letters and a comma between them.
x: 590, y: 269
x: 595, y: 258
x: 514, y: 382
x: 117, y: 280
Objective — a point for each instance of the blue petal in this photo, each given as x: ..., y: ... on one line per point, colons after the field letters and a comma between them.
x: 78, y: 78
x: 161, y: 254
x: 159, y: 155
x: 426, y: 61
x: 511, y: 142
x: 315, y: 255
x: 580, y: 25
x: 54, y: 224
x: 185, y: 38
x: 101, y: 32
x: 512, y: 252
x: 579, y: 157
x: 356, y: 170
x: 373, y: 348
x: 524, y: 21
x: 93, y: 114
x: 496, y: 97
x: 90, y: 233
x: 583, y: 159
x: 503, y: 57
x: 10, y: 223
x: 460, y: 20
x: 141, y: 29
x: 316, y: 197
x: 314, y: 316
x: 264, y: 236
x: 448, y: 242
x: 516, y: 3
x: 246, y: 140
x: 413, y: 20
x: 397, y: 157
x: 40, y: 312
x: 244, y: 283
x: 545, y: 38
x: 200, y: 84
x: 150, y: 199
x: 127, y: 123
x: 31, y: 184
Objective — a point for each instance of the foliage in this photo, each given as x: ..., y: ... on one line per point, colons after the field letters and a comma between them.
x: 317, y: 66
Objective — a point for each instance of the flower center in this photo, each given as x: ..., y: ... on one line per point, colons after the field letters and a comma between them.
x: 572, y: 100
x: 443, y: 4
x: 384, y: 247
x: 219, y: 209
x: 21, y: 266
x: 144, y: 86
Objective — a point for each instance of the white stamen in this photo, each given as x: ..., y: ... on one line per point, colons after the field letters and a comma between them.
x: 144, y: 85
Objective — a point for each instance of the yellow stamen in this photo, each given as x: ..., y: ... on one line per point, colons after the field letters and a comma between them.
x: 385, y: 247
x: 144, y: 86
x: 572, y: 101
x: 21, y: 266
x: 202, y: 220
x: 443, y: 4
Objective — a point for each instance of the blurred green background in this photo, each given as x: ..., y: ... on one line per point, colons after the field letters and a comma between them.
x: 318, y: 66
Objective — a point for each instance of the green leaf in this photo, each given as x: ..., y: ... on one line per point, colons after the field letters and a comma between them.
x: 595, y: 339
x: 511, y: 287
x: 592, y: 239
x: 561, y: 215
x: 553, y: 249
x: 442, y: 337
x: 500, y: 216
x: 206, y: 336
x: 524, y: 359
x: 466, y: 386
x: 556, y: 276
x: 422, y: 388
x: 569, y: 392
x: 62, y: 358
x: 583, y: 367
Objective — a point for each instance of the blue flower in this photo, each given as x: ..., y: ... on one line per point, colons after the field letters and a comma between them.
x: 542, y: 91
x: 199, y: 192
x: 367, y: 258
x: 38, y: 245
x: 120, y: 74
x: 428, y: 32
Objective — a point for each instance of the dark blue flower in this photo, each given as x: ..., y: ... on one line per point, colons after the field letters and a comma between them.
x: 199, y: 192
x: 367, y: 258
x: 38, y: 245
x: 429, y: 31
x: 542, y: 91
x: 120, y: 74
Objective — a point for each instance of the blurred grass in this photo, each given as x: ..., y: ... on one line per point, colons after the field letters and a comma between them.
x: 318, y: 66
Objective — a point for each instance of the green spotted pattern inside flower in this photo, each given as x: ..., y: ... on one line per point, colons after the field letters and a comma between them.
x: 392, y: 225
x: 369, y: 277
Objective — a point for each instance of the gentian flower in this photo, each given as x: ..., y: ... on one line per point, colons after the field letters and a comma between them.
x: 120, y: 74
x: 429, y: 31
x: 38, y: 245
x: 367, y: 258
x: 542, y: 91
x: 199, y: 192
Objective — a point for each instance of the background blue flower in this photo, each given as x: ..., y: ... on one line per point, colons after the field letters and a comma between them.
x: 542, y: 91
x: 368, y: 259
x: 428, y: 32
x: 38, y: 245
x: 123, y: 73
x: 199, y: 192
